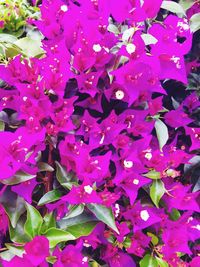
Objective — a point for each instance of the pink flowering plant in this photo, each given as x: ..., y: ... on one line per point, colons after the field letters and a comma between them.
x: 100, y: 133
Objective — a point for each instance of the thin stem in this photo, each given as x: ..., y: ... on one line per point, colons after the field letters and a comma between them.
x: 48, y: 179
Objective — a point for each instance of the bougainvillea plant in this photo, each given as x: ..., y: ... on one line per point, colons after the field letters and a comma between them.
x: 100, y: 134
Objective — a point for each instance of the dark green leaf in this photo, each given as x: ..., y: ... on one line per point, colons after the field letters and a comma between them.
x: 34, y: 221
x: 82, y: 218
x: 15, y: 209
x: 43, y: 166
x: 63, y: 177
x: 175, y: 214
x: 82, y: 229
x: 18, y: 178
x: 18, y: 234
x: 74, y: 211
x: 157, y: 190
x: 104, y: 214
x: 49, y: 221
x: 50, y: 197
x: 61, y: 173
x: 56, y: 236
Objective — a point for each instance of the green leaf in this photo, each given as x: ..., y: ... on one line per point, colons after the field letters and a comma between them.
x: 7, y: 38
x: 63, y: 177
x: 127, y: 242
x: 18, y: 178
x: 161, y: 262
x: 112, y: 28
x: 162, y: 133
x: 61, y: 173
x: 82, y: 218
x: 93, y: 263
x: 50, y: 197
x: 30, y: 47
x: 17, y: 233
x: 195, y: 22
x: 104, y: 214
x: 51, y: 259
x: 153, y: 175
x: 149, y: 39
x: 74, y: 211
x: 127, y: 34
x: 186, y: 4
x: 154, y: 238
x: 173, y: 7
x: 43, y: 166
x: 2, y: 126
x: 16, y: 250
x: 157, y: 190
x: 34, y: 221
x: 11, y: 50
x: 48, y: 222
x: 56, y: 236
x: 15, y: 209
x: 82, y: 229
x: 175, y: 214
x: 6, y: 255
x: 148, y: 261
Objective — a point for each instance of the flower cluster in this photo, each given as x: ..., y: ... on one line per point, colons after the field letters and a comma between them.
x: 100, y: 139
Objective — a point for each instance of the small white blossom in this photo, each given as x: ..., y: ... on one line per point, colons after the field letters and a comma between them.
x: 97, y: 47
x: 119, y: 94
x: 84, y: 260
x: 144, y: 215
x: 136, y: 181
x: 88, y: 189
x: 64, y: 8
x: 148, y: 155
x: 128, y: 164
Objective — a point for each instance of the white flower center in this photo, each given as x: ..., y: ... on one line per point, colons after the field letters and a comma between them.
x: 64, y: 8
x: 97, y: 47
x: 128, y: 164
x: 88, y: 189
x: 148, y: 155
x: 176, y: 60
x: 117, y: 210
x: 136, y: 181
x: 84, y: 260
x: 119, y: 94
x: 144, y: 215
